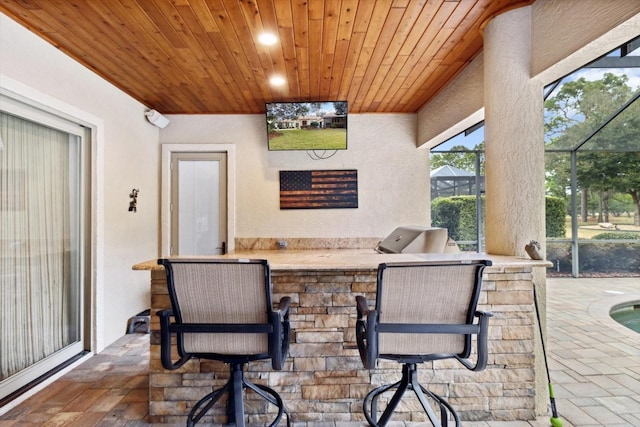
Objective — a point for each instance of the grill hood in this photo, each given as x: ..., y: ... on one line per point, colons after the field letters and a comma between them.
x: 409, y: 239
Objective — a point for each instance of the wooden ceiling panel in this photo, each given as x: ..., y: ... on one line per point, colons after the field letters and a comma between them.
x: 202, y: 56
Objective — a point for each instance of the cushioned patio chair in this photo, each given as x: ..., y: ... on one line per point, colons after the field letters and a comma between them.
x: 222, y: 310
x: 423, y: 312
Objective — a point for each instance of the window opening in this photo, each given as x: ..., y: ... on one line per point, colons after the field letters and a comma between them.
x: 457, y: 187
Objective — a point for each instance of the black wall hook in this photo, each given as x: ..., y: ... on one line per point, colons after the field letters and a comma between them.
x: 134, y: 200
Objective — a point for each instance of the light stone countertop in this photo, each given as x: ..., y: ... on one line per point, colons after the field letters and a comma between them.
x: 352, y: 259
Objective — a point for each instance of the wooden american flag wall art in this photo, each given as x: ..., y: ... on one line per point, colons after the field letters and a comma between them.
x: 319, y: 189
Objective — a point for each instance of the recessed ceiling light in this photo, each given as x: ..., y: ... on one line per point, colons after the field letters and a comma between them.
x: 268, y: 39
x: 277, y: 81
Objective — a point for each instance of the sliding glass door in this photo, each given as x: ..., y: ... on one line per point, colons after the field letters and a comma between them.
x: 40, y: 247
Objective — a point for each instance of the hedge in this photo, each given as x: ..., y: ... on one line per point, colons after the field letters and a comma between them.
x: 596, y: 258
x: 555, y: 214
x: 617, y: 235
x: 458, y: 215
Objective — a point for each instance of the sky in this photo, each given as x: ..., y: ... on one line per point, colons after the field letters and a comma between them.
x: 596, y: 74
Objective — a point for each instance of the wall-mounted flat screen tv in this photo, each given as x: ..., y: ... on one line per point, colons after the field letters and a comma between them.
x: 307, y: 125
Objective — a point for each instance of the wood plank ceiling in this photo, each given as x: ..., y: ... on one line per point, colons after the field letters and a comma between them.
x: 201, y: 56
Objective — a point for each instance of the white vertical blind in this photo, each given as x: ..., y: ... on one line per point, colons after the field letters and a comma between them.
x: 39, y: 247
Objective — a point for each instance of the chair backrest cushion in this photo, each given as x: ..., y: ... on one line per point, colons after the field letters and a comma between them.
x: 218, y: 292
x: 426, y: 294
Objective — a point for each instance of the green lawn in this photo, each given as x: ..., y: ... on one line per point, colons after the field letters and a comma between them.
x: 302, y: 139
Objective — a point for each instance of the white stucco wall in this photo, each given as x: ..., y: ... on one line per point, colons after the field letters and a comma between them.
x: 455, y: 108
x: 393, y: 175
x: 125, y: 156
x: 566, y: 34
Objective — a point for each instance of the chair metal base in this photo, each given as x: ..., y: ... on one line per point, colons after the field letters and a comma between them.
x: 235, y: 404
x: 409, y: 381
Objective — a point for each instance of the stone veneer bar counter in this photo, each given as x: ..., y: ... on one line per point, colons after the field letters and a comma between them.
x: 323, y: 380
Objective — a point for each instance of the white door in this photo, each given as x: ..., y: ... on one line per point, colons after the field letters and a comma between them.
x: 198, y: 203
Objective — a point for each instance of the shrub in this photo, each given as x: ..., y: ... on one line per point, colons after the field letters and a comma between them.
x: 458, y: 215
x: 609, y: 258
x: 596, y: 258
x: 620, y: 235
x: 555, y: 213
x: 559, y: 253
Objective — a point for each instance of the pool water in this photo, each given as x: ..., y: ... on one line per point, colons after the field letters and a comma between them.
x: 628, y: 316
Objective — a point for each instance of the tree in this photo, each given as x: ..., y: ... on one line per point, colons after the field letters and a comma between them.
x: 286, y: 110
x: 608, y: 161
x: 558, y: 174
x: 316, y: 108
x: 459, y: 157
x: 278, y: 112
x: 340, y: 107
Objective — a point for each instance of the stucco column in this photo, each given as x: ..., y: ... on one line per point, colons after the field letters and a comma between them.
x: 514, y: 164
x: 514, y: 147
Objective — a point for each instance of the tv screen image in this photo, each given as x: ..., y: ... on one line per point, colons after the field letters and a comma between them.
x: 307, y: 125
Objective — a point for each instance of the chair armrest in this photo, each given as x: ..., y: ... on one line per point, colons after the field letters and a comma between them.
x: 165, y: 343
x: 362, y: 306
x: 481, y: 342
x: 283, y: 307
x: 366, y: 335
x: 483, y: 337
x: 279, y: 338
